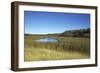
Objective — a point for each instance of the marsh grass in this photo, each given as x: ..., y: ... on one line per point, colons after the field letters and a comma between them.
x: 65, y: 48
x: 47, y: 54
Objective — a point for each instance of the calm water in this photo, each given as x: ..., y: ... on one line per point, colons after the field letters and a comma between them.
x: 47, y: 40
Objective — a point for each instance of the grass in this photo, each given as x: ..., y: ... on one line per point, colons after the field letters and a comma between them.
x: 46, y: 54
x: 65, y: 48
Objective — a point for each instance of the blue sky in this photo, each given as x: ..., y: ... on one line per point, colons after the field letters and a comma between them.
x: 54, y: 22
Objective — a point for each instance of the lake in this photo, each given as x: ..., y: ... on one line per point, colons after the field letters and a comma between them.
x: 46, y: 40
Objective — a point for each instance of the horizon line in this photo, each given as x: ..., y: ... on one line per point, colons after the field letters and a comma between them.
x: 54, y: 32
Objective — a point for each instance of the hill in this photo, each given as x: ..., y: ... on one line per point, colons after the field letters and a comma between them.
x: 76, y: 33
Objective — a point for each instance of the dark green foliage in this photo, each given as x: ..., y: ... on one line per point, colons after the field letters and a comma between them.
x: 76, y: 33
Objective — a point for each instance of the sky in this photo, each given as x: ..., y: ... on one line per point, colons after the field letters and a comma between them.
x: 36, y: 22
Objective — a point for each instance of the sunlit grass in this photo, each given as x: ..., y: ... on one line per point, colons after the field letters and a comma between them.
x: 47, y: 54
x: 65, y: 48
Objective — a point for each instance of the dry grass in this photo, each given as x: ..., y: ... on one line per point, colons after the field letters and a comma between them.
x: 66, y: 48
x: 47, y: 54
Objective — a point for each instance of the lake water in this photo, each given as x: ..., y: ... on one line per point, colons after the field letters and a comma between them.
x: 45, y: 40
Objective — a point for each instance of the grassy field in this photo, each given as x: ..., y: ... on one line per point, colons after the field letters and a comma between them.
x: 65, y: 48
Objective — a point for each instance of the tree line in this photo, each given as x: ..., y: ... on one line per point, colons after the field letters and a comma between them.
x: 76, y: 33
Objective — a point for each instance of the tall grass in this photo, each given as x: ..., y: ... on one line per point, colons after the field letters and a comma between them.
x: 37, y: 54
x: 65, y: 45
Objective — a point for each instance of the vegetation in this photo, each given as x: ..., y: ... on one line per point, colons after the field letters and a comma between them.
x: 77, y: 33
x: 74, y: 44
